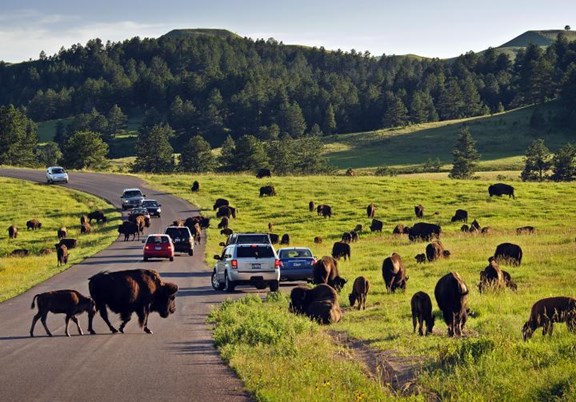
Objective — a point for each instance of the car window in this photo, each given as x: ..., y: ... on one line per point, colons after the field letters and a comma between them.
x: 158, y: 239
x: 150, y: 203
x: 252, y: 239
x: 255, y: 252
x: 295, y: 253
x: 132, y: 194
x: 178, y: 232
x: 58, y: 170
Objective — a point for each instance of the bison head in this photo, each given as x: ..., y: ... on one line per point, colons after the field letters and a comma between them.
x: 352, y: 299
x: 164, y: 301
x: 339, y: 283
x: 527, y: 331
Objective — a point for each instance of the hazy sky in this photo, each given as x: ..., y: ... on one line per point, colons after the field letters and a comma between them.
x: 432, y: 28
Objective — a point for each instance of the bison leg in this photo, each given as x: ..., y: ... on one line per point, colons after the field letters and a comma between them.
x: 43, y: 321
x: 34, y: 320
x: 104, y: 315
x: 143, y: 319
x: 125, y: 319
x: 75, y: 320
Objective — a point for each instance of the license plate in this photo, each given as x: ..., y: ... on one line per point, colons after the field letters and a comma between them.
x: 296, y: 264
x: 255, y: 266
x: 157, y: 248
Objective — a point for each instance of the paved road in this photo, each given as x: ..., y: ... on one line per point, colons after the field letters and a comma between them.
x: 177, y: 363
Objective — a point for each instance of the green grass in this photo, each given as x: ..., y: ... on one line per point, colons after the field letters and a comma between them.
x: 471, y: 368
x: 54, y: 206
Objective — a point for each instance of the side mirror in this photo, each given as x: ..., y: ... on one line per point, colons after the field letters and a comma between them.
x: 217, y: 257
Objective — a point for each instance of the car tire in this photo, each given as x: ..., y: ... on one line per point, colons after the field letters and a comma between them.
x: 215, y: 284
x: 190, y: 252
x: 229, y: 285
x: 145, y: 259
x: 171, y: 258
x: 274, y: 285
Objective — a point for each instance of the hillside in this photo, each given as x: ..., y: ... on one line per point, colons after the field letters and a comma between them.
x: 539, y: 38
x: 187, y: 33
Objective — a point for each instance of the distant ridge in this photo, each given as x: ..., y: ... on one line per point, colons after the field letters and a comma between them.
x: 538, y: 38
x: 183, y: 33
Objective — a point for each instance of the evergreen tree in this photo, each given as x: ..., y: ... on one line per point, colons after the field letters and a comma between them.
x: 465, y: 155
x: 396, y: 114
x: 329, y: 123
x: 250, y: 154
x: 153, y: 150
x: 197, y: 156
x: 536, y: 162
x: 309, y: 156
x: 85, y: 150
x: 18, y: 138
x: 564, y: 163
x: 293, y: 120
x: 282, y: 155
x: 61, y: 135
x: 227, y: 155
x: 116, y: 121
x: 48, y: 154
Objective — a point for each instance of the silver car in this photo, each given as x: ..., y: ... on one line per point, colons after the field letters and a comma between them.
x: 246, y: 264
x: 56, y: 174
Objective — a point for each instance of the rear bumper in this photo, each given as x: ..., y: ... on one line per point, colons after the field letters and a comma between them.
x: 296, y: 275
x: 254, y: 277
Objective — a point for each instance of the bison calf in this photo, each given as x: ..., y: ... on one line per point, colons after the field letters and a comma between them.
x: 422, y: 312
x: 62, y: 254
x: 359, y: 292
x: 12, y: 232
x: 69, y: 302
x: 546, y: 312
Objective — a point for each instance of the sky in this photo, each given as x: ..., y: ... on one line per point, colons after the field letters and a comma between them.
x: 430, y: 28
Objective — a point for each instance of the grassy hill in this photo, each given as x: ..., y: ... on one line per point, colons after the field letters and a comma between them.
x: 181, y: 33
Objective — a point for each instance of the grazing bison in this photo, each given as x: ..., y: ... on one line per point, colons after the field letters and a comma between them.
x: 465, y: 228
x: 354, y: 236
x: 359, y: 292
x: 376, y: 225
x: 311, y: 206
x: 97, y: 215
x: 420, y: 258
x: 224, y: 222
x: 421, y: 306
x: 460, y: 215
x: 319, y: 303
x: 83, y: 219
x: 358, y: 228
x: 270, y: 226
x: 285, y: 240
x: 33, y: 224
x: 226, y: 211
x: 346, y: 237
x: 474, y: 226
x: 267, y: 190
x: 20, y: 252
x: 69, y: 302
x: 435, y: 251
x: 394, y: 273
x: 350, y: 172
x: 61, y: 254
x: 419, y: 211
x: 546, y: 312
x: 12, y: 232
x: 371, y: 210
x: 452, y: 296
x: 525, y: 230
x: 324, y: 210
x: 263, y: 173
x: 491, y: 277
x: 139, y: 291
x: 500, y: 189
x: 486, y: 230
x: 325, y: 270
x: 195, y: 186
x: 220, y: 202
x: 129, y: 228
x: 226, y: 232
x: 508, y: 280
x: 317, y: 240
x: 508, y: 253
x: 424, y: 231
x: 274, y: 238
x: 62, y: 232
x: 69, y: 243
x: 341, y: 249
x: 85, y: 228
x: 400, y: 229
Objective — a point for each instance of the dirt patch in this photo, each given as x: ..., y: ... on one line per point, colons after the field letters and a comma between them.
x: 399, y: 373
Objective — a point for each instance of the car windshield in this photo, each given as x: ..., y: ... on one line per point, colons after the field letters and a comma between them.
x: 178, y: 232
x: 149, y: 203
x: 58, y: 170
x: 158, y: 239
x: 255, y: 251
x: 142, y: 211
x: 132, y: 194
x: 301, y: 253
x: 252, y: 238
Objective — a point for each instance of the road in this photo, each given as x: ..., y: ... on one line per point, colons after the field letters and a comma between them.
x: 177, y: 363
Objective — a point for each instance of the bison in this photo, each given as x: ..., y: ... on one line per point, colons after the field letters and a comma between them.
x: 350, y: 172
x: 263, y: 173
x: 460, y: 215
x: 220, y: 202
x: 97, y: 215
x: 69, y: 302
x: 319, y: 303
x: 62, y: 254
x: 424, y: 231
x: 195, y: 186
x: 224, y: 222
x: 371, y: 210
x: 420, y: 258
x: 226, y: 232
x: 139, y: 291
x: 317, y: 240
x: 274, y: 238
x: 20, y: 252
x: 325, y: 270
x: 33, y: 224
x: 285, y: 240
x: 346, y: 237
x: 83, y: 219
x: 226, y: 211
x: 525, y: 230
x: 341, y: 249
x: 508, y: 253
x: 452, y: 296
x: 311, y: 206
x: 400, y: 229
x: 394, y: 273
x: 69, y: 243
x: 324, y: 210
x: 268, y: 191
x: 419, y: 211
x: 491, y: 277
x: 85, y: 228
x: 500, y: 189
x: 546, y: 312
x: 435, y: 251
x: 12, y: 232
x: 359, y: 292
x: 62, y: 232
x: 474, y: 226
x: 421, y: 307
x: 376, y: 225
x: 129, y: 228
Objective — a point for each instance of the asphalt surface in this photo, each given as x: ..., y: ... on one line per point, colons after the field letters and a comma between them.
x: 177, y: 363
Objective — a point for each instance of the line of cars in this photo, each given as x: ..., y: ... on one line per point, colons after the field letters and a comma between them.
x: 250, y: 259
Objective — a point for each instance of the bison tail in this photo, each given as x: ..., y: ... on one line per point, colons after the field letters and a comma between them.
x: 32, y: 306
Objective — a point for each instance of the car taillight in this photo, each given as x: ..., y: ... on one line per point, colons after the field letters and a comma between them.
x: 277, y: 264
x: 147, y: 247
x: 313, y: 261
x: 234, y: 264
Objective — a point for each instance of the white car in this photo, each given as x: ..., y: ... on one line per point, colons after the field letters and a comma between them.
x: 56, y: 174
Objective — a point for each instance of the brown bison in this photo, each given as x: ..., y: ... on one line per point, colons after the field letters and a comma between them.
x: 85, y: 228
x: 274, y: 238
x: 268, y: 191
x: 358, y: 228
x: 270, y: 226
x: 419, y: 211
x: 346, y: 237
x: 263, y: 173
x: 83, y: 219
x: 97, y: 215
x: 341, y: 249
x: 460, y: 215
x: 69, y: 302
x: 139, y: 291
x: 311, y: 206
x: 359, y: 293
x: 33, y: 224
x: 285, y: 240
x: 424, y: 231
x: 220, y: 202
x: 226, y: 232
x: 62, y: 232
x: 317, y: 240
x: 62, y: 254
x: 376, y: 225
x: 20, y: 252
x: 421, y: 306
x: 474, y: 226
x: 546, y: 312
x: 195, y: 186
x: 508, y: 253
x: 350, y: 172
x: 224, y: 222
x: 465, y: 228
x: 400, y: 230
x: 371, y: 210
x: 500, y: 189
x: 491, y: 277
x: 325, y: 270
x: 140, y: 221
x: 420, y: 258
x: 525, y: 230
x: 129, y: 228
x: 394, y: 273
x: 435, y: 251
x: 324, y: 210
x: 452, y: 296
x: 319, y: 303
x: 226, y: 211
x: 12, y: 232
x: 69, y: 243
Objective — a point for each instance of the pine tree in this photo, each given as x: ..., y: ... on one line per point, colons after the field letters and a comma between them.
x: 197, y: 156
x: 18, y: 137
x: 250, y: 154
x: 153, y: 150
x: 227, y: 155
x: 85, y: 150
x: 536, y: 162
x: 465, y: 155
x: 564, y: 163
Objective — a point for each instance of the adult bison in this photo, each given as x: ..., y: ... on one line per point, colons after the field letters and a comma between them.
x: 452, y: 296
x: 492, y: 277
x: 319, y: 303
x: 129, y: 228
x: 376, y: 225
x: 33, y: 224
x: 419, y: 211
x: 324, y: 210
x: 139, y: 291
x: 12, y: 232
x: 226, y: 211
x: 220, y: 202
x: 311, y: 206
x: 460, y: 215
x: 500, y: 189
x: 436, y: 250
x: 97, y: 215
x: 263, y: 173
x: 424, y: 231
x: 325, y: 270
x: 195, y: 186
x: 400, y: 229
x: 394, y: 273
x: 341, y: 249
x: 508, y: 253
x: 371, y: 210
x: 268, y: 191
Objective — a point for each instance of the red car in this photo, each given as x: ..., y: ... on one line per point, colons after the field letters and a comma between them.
x: 158, y: 246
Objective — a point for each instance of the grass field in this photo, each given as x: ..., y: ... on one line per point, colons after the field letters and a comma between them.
x: 491, y: 362
x: 54, y: 206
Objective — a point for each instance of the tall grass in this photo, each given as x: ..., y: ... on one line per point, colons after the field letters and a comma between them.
x: 54, y: 206
x: 491, y: 362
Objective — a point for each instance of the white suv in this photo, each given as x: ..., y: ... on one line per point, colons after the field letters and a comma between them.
x: 246, y: 264
x: 56, y: 174
x: 131, y: 198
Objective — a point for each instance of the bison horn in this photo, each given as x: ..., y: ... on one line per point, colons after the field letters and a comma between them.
x: 172, y: 288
